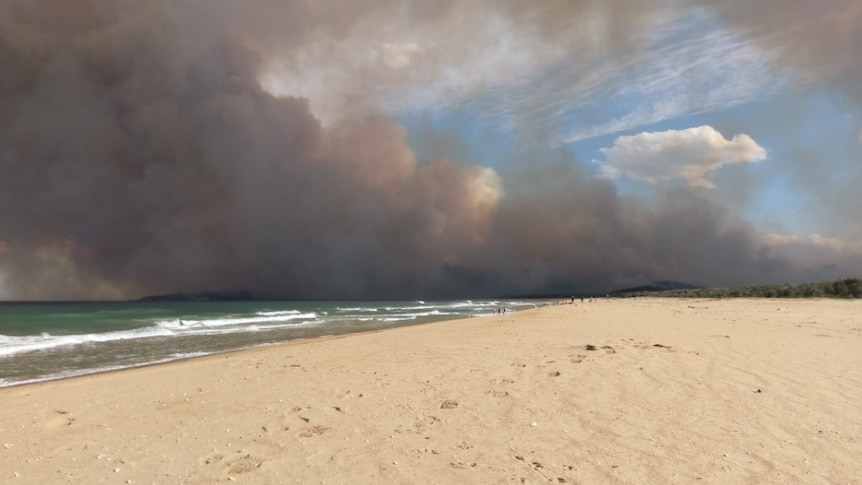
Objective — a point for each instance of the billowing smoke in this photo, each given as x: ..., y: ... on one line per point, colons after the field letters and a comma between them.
x: 165, y: 146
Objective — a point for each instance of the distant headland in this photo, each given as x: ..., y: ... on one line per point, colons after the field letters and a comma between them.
x: 843, y: 288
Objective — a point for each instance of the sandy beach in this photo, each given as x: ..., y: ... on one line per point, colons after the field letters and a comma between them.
x: 618, y: 391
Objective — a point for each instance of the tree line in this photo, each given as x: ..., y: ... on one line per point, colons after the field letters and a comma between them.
x: 843, y: 288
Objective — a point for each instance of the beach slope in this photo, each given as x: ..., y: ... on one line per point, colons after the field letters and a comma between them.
x: 618, y: 391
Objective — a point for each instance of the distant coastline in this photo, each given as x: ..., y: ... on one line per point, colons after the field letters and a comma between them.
x: 841, y: 288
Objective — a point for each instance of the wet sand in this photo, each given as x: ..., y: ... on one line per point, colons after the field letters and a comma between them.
x: 619, y: 391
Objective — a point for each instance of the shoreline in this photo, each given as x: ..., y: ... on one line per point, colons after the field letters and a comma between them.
x: 180, y: 360
x: 670, y: 390
x: 57, y: 356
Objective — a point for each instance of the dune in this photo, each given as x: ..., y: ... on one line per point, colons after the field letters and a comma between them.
x: 615, y: 391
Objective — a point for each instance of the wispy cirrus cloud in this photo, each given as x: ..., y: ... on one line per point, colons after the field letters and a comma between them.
x: 682, y: 72
x: 557, y: 86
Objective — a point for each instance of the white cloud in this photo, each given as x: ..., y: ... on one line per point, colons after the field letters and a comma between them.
x: 691, y: 155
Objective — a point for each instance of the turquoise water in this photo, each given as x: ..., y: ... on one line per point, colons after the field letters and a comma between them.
x: 44, y: 341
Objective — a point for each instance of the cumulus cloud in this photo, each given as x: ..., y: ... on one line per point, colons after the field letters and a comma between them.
x: 691, y: 155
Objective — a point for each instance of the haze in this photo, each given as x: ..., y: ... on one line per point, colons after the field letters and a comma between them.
x: 379, y: 149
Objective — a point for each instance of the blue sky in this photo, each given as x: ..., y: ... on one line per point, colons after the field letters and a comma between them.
x: 780, y: 200
x: 694, y: 70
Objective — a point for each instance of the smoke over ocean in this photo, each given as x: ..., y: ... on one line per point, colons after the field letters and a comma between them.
x: 188, y: 145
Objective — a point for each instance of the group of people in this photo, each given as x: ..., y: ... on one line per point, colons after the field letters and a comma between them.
x: 591, y: 299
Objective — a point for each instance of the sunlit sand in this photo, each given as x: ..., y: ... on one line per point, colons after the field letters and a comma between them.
x: 625, y: 391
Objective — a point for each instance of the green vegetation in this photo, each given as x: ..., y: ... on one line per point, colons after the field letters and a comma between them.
x: 845, y: 288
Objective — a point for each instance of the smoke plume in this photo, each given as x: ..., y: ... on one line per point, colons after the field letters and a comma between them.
x: 167, y: 146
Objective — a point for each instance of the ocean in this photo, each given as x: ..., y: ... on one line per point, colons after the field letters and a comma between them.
x: 46, y: 341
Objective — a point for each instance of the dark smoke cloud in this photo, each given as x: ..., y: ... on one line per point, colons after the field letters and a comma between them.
x: 822, y: 39
x: 139, y: 154
x: 822, y: 42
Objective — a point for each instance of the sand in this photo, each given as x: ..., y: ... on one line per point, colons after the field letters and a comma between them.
x: 619, y: 391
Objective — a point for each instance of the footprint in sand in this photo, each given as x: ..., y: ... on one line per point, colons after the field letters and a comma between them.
x: 422, y: 423
x: 62, y: 420
x: 312, y: 431
x: 212, y: 459
x: 243, y: 464
x: 449, y: 404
